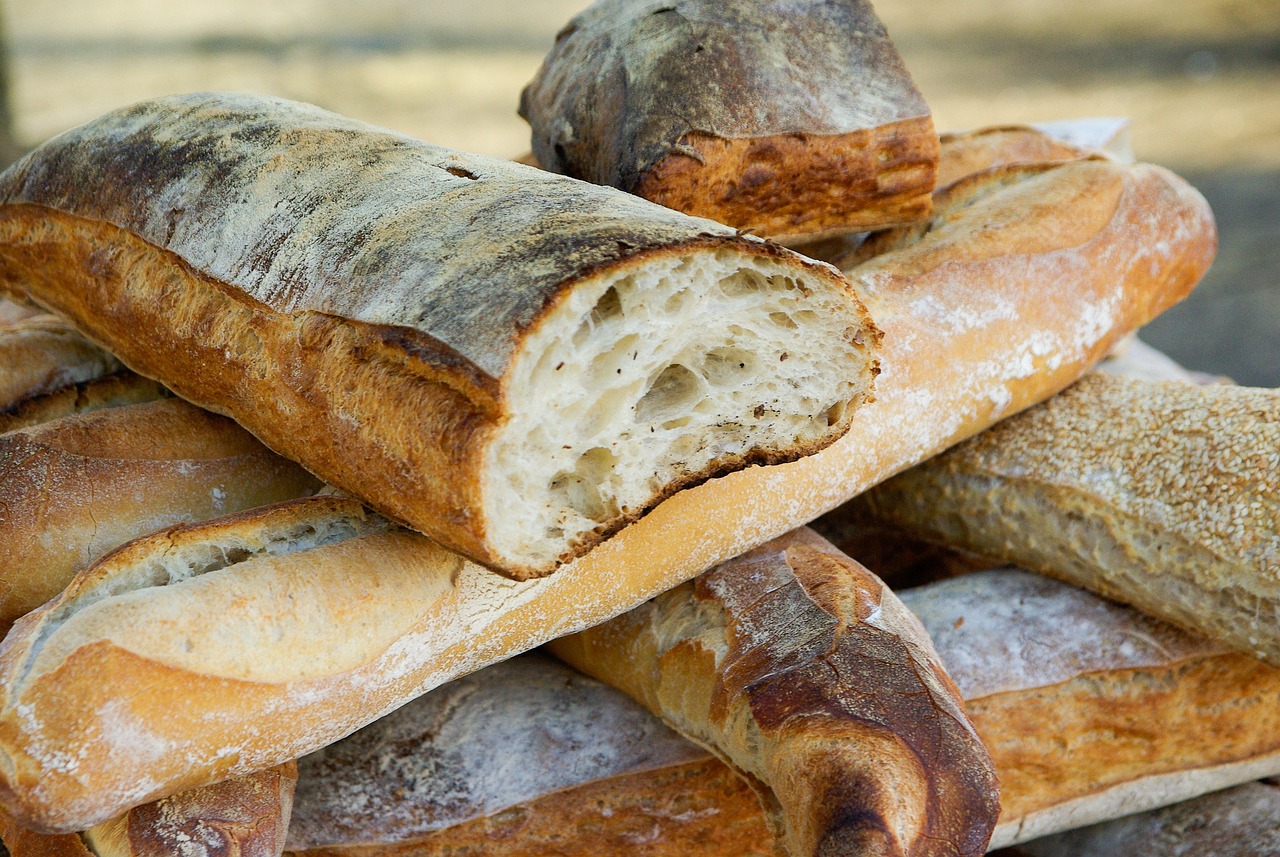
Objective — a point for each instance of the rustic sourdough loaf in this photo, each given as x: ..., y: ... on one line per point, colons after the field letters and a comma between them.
x: 807, y: 676
x: 515, y: 363
x: 1162, y: 494
x: 786, y: 119
x: 244, y: 817
x: 278, y: 655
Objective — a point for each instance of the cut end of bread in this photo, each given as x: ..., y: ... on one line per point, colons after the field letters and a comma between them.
x: 656, y: 376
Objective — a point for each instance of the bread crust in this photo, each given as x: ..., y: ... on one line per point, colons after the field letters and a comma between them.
x: 1142, y: 714
x: 1159, y: 494
x: 74, y: 488
x: 804, y: 673
x: 109, y: 391
x: 788, y: 121
x: 944, y: 378
x: 290, y: 268
x: 42, y: 353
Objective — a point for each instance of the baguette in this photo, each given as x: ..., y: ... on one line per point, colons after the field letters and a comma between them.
x: 523, y: 759
x: 11, y: 312
x: 109, y: 391
x: 809, y: 678
x: 1240, y: 822
x: 703, y: 106
x: 1091, y: 711
x: 287, y: 681
x: 74, y: 488
x: 41, y: 354
x: 1164, y: 495
x: 245, y: 817
x: 512, y: 362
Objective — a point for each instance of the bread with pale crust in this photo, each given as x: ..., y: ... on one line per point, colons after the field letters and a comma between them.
x: 76, y: 487
x: 789, y: 120
x: 266, y: 660
x: 522, y: 759
x: 41, y: 354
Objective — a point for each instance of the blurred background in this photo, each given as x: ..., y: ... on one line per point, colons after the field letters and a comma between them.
x: 1199, y: 78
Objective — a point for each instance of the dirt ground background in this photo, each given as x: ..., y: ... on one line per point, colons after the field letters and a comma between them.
x: 1199, y: 78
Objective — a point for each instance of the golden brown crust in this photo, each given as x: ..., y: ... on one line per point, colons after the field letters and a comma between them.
x: 789, y: 122
x: 965, y: 153
x: 99, y: 479
x: 110, y: 391
x: 944, y: 378
x: 801, y: 187
x: 755, y: 659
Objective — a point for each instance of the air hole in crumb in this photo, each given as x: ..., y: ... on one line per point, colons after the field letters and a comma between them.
x: 461, y: 173
x: 741, y: 283
x: 674, y: 303
x: 675, y: 391
x: 781, y: 319
x: 728, y: 367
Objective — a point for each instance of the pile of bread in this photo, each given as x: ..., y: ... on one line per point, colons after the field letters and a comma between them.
x: 330, y: 424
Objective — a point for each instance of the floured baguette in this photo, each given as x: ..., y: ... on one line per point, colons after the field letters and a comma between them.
x: 512, y: 362
x: 523, y: 759
x: 1090, y: 709
x: 1240, y: 822
x: 244, y: 817
x: 109, y: 391
x: 1164, y: 495
x: 807, y: 676
x: 790, y: 120
x: 76, y: 487
x: 39, y: 354
x: 262, y: 695
x: 968, y: 152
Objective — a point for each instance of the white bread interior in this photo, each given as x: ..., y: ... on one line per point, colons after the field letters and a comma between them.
x: 651, y: 374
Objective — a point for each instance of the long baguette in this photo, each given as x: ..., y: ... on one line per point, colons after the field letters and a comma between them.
x: 522, y: 759
x: 807, y: 676
x: 1165, y: 495
x: 965, y: 344
x: 74, y: 488
x: 244, y: 817
x: 512, y: 362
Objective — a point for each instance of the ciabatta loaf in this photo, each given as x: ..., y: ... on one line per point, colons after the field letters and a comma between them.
x: 790, y: 120
x: 803, y: 672
x: 1165, y: 495
x: 514, y: 363
x: 76, y: 487
x: 267, y: 671
x: 244, y: 817
x: 522, y: 759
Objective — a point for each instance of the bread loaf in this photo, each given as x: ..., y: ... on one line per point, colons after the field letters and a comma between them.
x: 74, y: 488
x: 41, y: 354
x: 523, y: 759
x: 244, y: 817
x: 1240, y: 822
x: 11, y: 312
x: 1091, y: 711
x: 789, y: 120
x: 266, y: 660
x: 1164, y: 495
x: 109, y: 391
x: 807, y: 676
x: 512, y: 362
